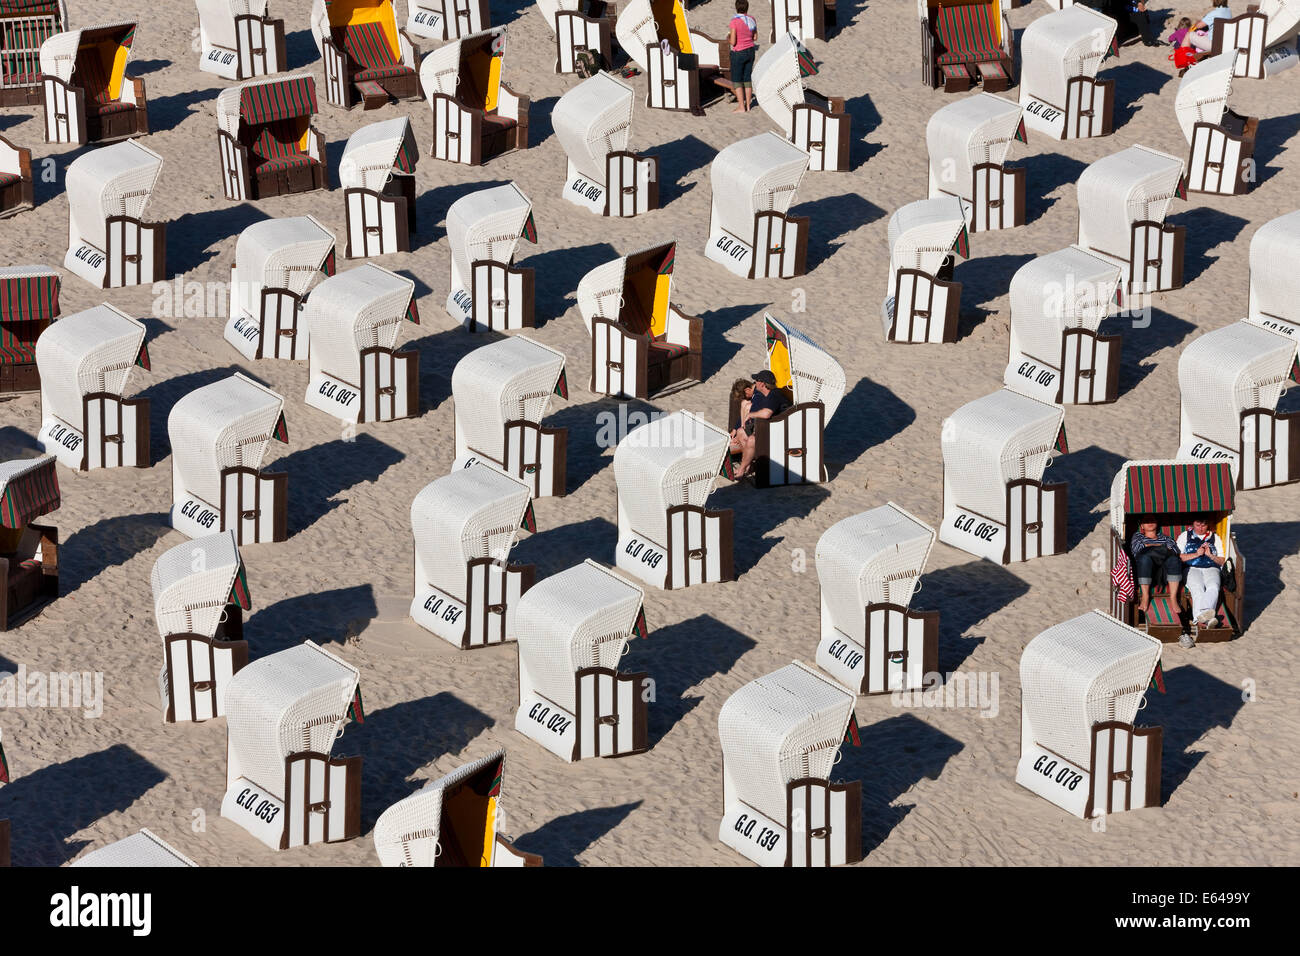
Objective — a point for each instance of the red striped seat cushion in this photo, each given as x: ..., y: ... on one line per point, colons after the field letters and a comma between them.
x: 666, y: 351
x: 18, y: 341
x: 113, y: 106
x: 366, y: 47
x: 284, y: 162
x: 8, y: 179
x: 381, y: 73
x: 1162, y: 611
x: 966, y: 34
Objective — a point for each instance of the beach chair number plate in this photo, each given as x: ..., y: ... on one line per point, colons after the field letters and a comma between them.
x: 1055, y: 779
x: 260, y: 813
x: 753, y: 835
x: 221, y: 57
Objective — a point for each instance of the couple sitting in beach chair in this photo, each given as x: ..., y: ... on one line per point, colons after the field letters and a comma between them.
x: 1197, y: 554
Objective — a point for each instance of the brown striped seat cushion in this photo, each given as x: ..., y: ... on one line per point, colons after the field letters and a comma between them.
x: 966, y: 34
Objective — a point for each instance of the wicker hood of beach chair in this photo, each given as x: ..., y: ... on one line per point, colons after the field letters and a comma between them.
x: 488, y: 293
x: 751, y: 233
x: 968, y: 142
x: 1221, y: 157
x: 377, y: 173
x: 1060, y: 56
x: 110, y: 244
x: 593, y: 122
x: 922, y: 302
x: 815, y: 123
x: 143, y: 849
x: 238, y: 40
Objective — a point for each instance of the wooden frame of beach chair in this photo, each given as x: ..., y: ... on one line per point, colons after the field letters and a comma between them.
x: 88, y: 95
x: 200, y: 592
x: 453, y: 821
x: 377, y: 173
x: 238, y: 40
x: 869, y: 567
x: 780, y: 737
x: 364, y: 53
x: 996, y: 503
x: 441, y: 20
x: 17, y: 187
x: 475, y: 115
x: 1058, y: 354
x: 29, y: 303
x: 143, y: 849
x: 1081, y: 687
x: 922, y: 302
x: 583, y: 31
x: 483, y: 229
x: 966, y: 41
x: 502, y: 392
x: 110, y: 244
x: 1265, y: 36
x: 1123, y: 201
x: 664, y: 471
x: 815, y: 123
x: 465, y: 525
x: 283, y: 714
x: 751, y: 232
x: 268, y: 145
x: 688, y: 73
x: 24, y: 26
x: 1060, y: 55
x: 86, y: 420
x: 277, y: 261
x: 29, y: 552
x: 968, y: 142
x: 593, y: 122
x: 356, y: 372
x: 806, y: 19
x: 1172, y: 493
x: 572, y: 630
x: 1220, y: 160
x: 641, y: 344
x: 219, y: 434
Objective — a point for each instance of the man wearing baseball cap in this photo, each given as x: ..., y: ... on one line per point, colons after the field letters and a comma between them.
x: 767, y: 402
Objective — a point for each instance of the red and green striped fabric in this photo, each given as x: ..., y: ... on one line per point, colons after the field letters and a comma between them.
x: 1021, y: 135
x: 8, y: 179
x: 366, y: 46
x: 807, y: 66
x: 331, y: 264
x: 529, y: 521
x: 562, y: 384
x: 277, y: 139
x: 239, y: 590
x: 4, y: 765
x: 961, y: 245
x: 408, y: 155
x: 356, y: 711
x: 1178, y: 488
x: 1162, y: 611
x: 670, y: 260
x: 1295, y: 370
x: 29, y: 495
x: 268, y: 102
x: 1062, y: 445
x: 1181, y: 190
x: 18, y: 342
x: 412, y: 313
x: 29, y: 297
x: 281, y: 432
x: 640, y: 629
x: 851, y: 736
x: 530, y: 229
x: 28, y: 8
x: 142, y: 359
x: 1158, y: 678
x: 967, y: 33
x: 774, y: 334
x: 1114, y: 51
x: 495, y: 789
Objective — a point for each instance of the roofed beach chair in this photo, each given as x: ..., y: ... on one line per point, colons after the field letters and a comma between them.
x: 29, y: 303
x: 1222, y: 142
x: 593, y: 122
x: 219, y: 434
x: 276, y: 263
x: 817, y: 124
x: 665, y: 471
x: 1081, y: 687
x: 29, y: 552
x: 238, y: 40
x: 922, y: 302
x: 502, y: 392
x: 364, y: 52
x: 24, y: 26
x: 806, y: 19
x: 964, y: 42
x: 573, y: 628
x: 781, y: 736
x: 1265, y: 36
x: 750, y: 230
x: 283, y: 714
x: 452, y: 821
x: 86, y: 362
x: 109, y: 243
x: 142, y: 849
x: 1060, y: 56
x: 268, y: 144
x: 483, y: 229
x: 968, y: 141
x: 475, y: 115
x: 1058, y: 354
x: 1171, y: 494
x: 1123, y: 201
x: 17, y: 187
x: 685, y: 74
x: 582, y: 29
x: 1274, y: 296
x: 356, y: 371
x: 869, y: 567
x: 200, y: 592
x: 641, y: 344
x: 996, y: 504
x: 441, y: 20
x: 465, y: 525
x: 377, y: 173
x: 88, y: 95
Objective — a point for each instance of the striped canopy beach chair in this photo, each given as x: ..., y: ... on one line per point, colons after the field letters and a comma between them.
x: 483, y: 229
x: 441, y: 20
x: 24, y: 26
x: 268, y: 144
x: 29, y: 303
x: 365, y: 53
x: 377, y: 173
x: 1221, y: 141
x: 29, y: 552
x: 593, y: 122
x: 922, y: 302
x: 475, y: 115
x: 87, y: 361
x: 1264, y: 36
x: 968, y: 141
x: 88, y: 95
x: 143, y: 849
x: 238, y: 40
x: 964, y: 42
x: 110, y: 244
x: 582, y: 29
x: 1060, y: 56
x: 815, y: 123
x: 17, y: 187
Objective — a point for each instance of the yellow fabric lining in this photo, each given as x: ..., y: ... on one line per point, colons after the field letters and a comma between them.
x: 670, y: 19
x: 659, y: 318
x: 778, y: 363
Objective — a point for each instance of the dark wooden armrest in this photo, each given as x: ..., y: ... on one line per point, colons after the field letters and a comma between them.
x: 696, y: 332
x: 49, y: 547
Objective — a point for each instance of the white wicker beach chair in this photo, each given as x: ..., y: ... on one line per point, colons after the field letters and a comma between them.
x: 1060, y: 56
x: 465, y: 525
x: 806, y: 19
x: 781, y: 736
x: 502, y: 392
x: 238, y: 40
x: 356, y: 371
x: 641, y: 344
x: 441, y: 20
x: 965, y: 42
x: 452, y: 821
x: 475, y: 115
x: 750, y: 232
x: 1123, y: 200
x: 593, y: 122
x: 922, y: 302
x: 29, y: 303
x: 219, y: 435
x: 996, y: 504
x: 109, y: 243
x: 200, y: 593
x: 673, y: 83
x: 573, y: 629
x: 1265, y: 36
x: 968, y: 141
x: 1058, y: 302
x: 283, y: 714
x: 24, y: 26
x: 1222, y: 142
x: 665, y: 471
x: 276, y: 263
x: 377, y: 173
x: 29, y: 552
x: 483, y: 230
x: 1081, y: 686
x: 583, y: 30
x: 88, y: 95
x: 815, y: 123
x: 17, y: 186
x: 86, y: 362
x: 364, y: 53
x: 142, y: 849
x: 1274, y: 299
x: 267, y: 143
